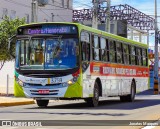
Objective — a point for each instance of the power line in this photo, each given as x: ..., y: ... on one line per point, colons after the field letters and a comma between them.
x: 45, y: 13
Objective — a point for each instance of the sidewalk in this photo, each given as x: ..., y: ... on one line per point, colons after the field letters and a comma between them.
x: 12, y: 101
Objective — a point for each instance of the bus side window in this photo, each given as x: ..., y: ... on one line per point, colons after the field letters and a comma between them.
x: 119, y: 52
x: 96, y: 48
x: 126, y: 54
x: 103, y: 46
x: 85, y: 51
x: 144, y: 57
x: 112, y: 52
x: 133, y: 55
x: 85, y: 45
x: 138, y: 56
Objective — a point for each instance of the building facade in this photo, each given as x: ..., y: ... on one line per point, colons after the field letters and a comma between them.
x: 55, y: 10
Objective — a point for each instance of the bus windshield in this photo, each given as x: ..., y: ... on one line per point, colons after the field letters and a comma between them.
x: 47, y: 54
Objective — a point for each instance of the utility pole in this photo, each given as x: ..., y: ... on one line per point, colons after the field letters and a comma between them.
x: 34, y: 11
x: 95, y: 14
x: 156, y: 69
x: 108, y: 16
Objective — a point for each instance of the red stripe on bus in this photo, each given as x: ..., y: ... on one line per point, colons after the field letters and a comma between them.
x: 107, y: 69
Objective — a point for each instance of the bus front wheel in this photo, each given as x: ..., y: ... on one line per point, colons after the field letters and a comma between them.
x: 93, y: 101
x: 42, y: 103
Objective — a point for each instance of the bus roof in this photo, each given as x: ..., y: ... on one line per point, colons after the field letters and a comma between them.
x: 93, y: 30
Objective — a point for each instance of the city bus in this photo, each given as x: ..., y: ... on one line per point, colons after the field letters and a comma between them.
x: 69, y: 61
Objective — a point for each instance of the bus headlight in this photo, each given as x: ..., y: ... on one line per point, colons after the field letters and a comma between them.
x: 20, y: 83
x: 70, y: 82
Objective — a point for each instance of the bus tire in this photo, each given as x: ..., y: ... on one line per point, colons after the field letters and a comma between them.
x: 42, y: 103
x: 131, y: 96
x: 93, y: 102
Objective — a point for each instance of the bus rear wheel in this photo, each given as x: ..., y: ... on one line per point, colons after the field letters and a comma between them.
x: 42, y: 103
x: 93, y: 102
x: 131, y: 96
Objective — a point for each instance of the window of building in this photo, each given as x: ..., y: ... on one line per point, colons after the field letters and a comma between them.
x: 112, y: 51
x: 5, y: 12
x: 62, y: 3
x: 126, y: 53
x: 119, y: 52
x: 13, y: 14
x: 53, y: 1
x: 68, y: 4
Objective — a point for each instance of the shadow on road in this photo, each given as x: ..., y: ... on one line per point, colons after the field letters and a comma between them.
x: 85, y: 110
x: 147, y: 92
x: 110, y: 104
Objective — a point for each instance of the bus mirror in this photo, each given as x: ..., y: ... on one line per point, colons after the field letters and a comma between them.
x: 11, y: 45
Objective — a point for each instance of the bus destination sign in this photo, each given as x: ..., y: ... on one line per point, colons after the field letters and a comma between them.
x: 49, y: 29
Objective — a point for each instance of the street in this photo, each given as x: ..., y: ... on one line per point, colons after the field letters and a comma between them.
x: 145, y: 107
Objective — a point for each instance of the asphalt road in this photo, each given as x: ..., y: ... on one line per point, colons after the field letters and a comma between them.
x: 145, y: 107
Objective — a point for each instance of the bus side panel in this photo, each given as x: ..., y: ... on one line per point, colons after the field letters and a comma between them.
x: 141, y: 84
x: 18, y: 90
x: 74, y: 90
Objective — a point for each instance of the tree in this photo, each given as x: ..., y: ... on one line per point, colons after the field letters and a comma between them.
x: 7, y: 29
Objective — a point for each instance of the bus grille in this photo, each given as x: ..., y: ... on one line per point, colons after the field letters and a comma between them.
x: 51, y: 92
x: 45, y: 85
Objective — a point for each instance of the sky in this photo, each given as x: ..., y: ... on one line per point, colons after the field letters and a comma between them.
x: 145, y: 6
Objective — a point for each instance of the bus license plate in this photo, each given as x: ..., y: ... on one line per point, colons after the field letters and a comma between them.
x: 56, y: 80
x: 43, y: 91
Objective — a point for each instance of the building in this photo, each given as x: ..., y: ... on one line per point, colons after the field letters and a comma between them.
x: 55, y: 10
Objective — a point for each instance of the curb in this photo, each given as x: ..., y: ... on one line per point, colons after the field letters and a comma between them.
x: 16, y: 103
x: 4, y: 94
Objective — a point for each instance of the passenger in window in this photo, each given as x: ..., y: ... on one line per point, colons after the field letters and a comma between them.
x: 39, y: 54
x: 57, y: 51
x: 75, y: 49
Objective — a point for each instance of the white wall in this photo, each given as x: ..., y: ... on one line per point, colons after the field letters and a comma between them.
x: 8, y: 68
x: 23, y: 7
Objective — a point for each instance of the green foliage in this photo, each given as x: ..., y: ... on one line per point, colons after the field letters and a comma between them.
x: 7, y: 30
